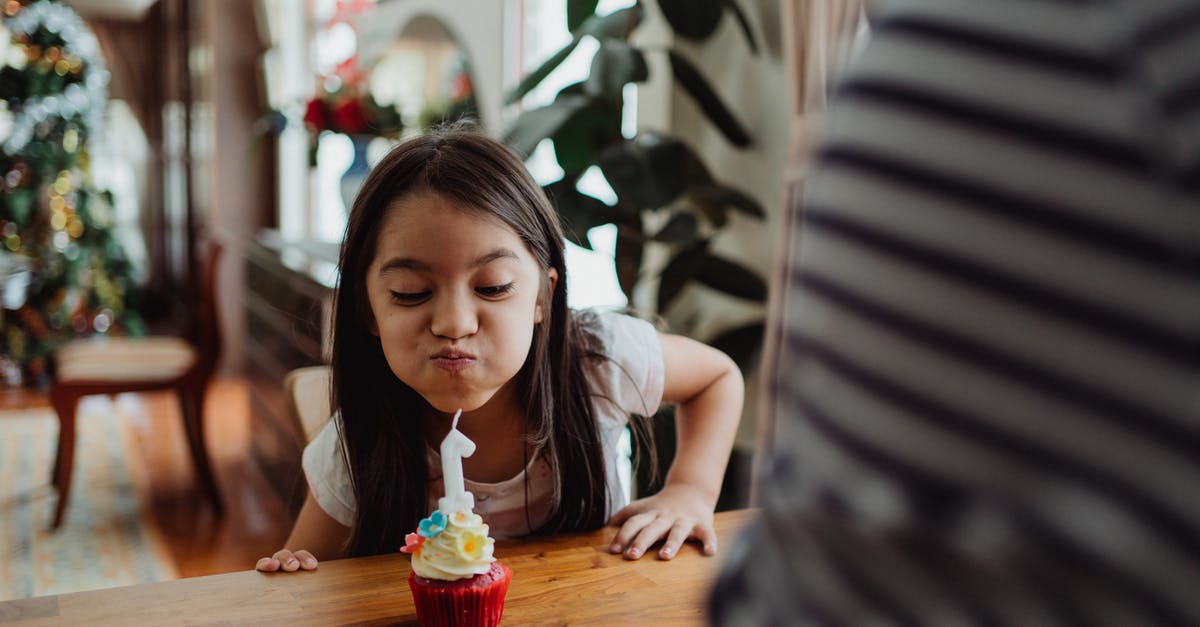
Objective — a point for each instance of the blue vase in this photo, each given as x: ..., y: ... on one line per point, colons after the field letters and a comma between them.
x: 354, y: 175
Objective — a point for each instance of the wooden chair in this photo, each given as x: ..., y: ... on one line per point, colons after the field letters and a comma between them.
x: 115, y: 365
x: 308, y: 397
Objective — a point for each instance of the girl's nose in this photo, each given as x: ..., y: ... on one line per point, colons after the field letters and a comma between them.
x: 454, y: 317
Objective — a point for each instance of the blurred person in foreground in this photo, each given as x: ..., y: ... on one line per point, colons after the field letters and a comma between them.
x: 988, y: 388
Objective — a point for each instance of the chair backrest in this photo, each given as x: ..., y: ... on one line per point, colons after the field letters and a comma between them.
x: 207, y: 324
x: 308, y: 396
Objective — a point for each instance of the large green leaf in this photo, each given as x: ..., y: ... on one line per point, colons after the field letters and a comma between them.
x: 712, y: 209
x: 743, y: 202
x: 692, y: 19
x: 578, y: 11
x: 678, y: 271
x: 627, y: 253
x: 731, y: 278
x: 615, y: 65
x: 648, y: 172
x: 573, y: 89
x: 732, y: 5
x: 534, y: 78
x: 681, y: 227
x: 535, y: 125
x: 616, y: 25
x: 708, y: 100
x: 578, y: 212
x: 585, y: 133
x: 743, y: 344
x: 713, y: 199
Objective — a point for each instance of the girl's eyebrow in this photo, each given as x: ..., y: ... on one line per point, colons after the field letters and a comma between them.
x: 409, y: 263
x: 494, y: 254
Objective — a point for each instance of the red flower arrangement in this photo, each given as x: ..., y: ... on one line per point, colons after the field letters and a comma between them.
x: 351, y: 109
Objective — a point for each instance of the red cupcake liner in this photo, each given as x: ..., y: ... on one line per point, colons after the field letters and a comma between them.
x: 474, y: 602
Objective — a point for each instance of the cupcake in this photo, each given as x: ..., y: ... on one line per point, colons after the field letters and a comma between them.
x: 455, y: 580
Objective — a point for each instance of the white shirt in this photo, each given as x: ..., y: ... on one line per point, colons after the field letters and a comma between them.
x: 629, y: 381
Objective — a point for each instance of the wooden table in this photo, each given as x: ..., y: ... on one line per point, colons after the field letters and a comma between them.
x: 568, y: 579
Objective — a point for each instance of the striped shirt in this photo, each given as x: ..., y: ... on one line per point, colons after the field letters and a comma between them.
x: 988, y: 391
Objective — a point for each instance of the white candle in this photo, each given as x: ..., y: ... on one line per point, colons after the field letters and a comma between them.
x: 455, y: 447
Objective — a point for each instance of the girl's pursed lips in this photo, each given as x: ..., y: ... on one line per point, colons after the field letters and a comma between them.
x: 453, y: 360
x: 452, y: 354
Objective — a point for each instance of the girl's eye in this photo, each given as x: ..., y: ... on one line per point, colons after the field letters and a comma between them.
x: 410, y: 297
x: 493, y: 291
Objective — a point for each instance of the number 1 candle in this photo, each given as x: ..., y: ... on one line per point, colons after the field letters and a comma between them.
x: 455, y: 446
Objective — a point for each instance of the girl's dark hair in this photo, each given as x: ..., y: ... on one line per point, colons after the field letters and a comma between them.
x: 383, y: 440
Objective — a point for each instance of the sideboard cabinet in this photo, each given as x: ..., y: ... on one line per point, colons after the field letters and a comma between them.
x: 289, y: 297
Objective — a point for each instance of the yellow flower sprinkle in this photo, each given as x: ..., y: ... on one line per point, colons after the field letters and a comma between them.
x: 470, y: 545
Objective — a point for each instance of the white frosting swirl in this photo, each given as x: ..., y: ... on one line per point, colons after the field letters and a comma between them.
x: 463, y: 549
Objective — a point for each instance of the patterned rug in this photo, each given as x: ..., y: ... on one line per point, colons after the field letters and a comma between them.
x: 107, y: 538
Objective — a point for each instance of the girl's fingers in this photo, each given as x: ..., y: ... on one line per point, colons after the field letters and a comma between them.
x: 633, y: 525
x: 307, y: 561
x: 675, y: 539
x: 287, y: 560
x: 708, y: 539
x: 649, y: 534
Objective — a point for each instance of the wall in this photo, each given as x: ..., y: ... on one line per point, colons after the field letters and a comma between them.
x: 753, y: 86
x: 755, y: 89
x: 233, y: 180
x: 479, y: 26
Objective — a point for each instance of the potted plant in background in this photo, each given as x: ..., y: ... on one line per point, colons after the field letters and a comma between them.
x: 666, y: 196
x: 652, y: 173
x: 345, y: 105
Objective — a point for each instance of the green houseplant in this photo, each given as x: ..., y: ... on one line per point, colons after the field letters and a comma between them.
x: 666, y: 196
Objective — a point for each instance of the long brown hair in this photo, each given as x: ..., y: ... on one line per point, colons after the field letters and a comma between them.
x: 383, y: 439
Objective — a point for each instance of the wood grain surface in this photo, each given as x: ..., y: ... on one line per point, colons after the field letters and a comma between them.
x: 567, y: 579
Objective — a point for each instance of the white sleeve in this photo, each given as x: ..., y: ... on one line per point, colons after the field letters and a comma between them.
x: 328, y: 477
x: 632, y: 377
x: 629, y: 381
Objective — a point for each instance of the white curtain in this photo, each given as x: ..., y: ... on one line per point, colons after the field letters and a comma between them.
x: 818, y: 38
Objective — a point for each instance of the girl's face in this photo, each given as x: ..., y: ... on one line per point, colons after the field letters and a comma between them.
x: 454, y: 297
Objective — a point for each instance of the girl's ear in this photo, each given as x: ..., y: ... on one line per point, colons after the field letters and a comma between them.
x: 539, y: 310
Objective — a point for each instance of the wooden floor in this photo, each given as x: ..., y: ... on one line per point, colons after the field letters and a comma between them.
x: 255, y: 522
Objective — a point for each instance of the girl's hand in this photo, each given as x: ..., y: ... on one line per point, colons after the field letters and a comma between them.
x: 314, y: 529
x: 287, y: 561
x: 679, y: 512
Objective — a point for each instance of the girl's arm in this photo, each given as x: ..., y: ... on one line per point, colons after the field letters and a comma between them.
x: 708, y: 388
x: 320, y: 535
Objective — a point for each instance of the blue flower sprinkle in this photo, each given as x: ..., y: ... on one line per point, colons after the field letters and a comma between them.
x: 433, y: 525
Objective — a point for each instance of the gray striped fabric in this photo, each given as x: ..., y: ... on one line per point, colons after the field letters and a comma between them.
x: 988, y: 392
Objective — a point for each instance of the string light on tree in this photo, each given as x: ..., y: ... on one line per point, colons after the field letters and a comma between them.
x: 53, y: 220
x: 79, y: 55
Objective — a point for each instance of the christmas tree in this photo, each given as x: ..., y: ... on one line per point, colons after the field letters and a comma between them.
x: 53, y: 220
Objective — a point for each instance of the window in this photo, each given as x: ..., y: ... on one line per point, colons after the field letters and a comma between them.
x: 311, y: 203
x: 591, y: 275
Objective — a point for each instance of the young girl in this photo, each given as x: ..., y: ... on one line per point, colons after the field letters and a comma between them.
x: 453, y: 295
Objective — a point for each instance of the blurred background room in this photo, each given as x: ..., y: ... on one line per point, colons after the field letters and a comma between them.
x: 176, y: 177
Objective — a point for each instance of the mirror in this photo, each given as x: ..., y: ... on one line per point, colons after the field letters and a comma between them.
x: 424, y: 73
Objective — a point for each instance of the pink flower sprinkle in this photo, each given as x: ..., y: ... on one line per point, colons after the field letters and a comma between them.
x: 412, y: 543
